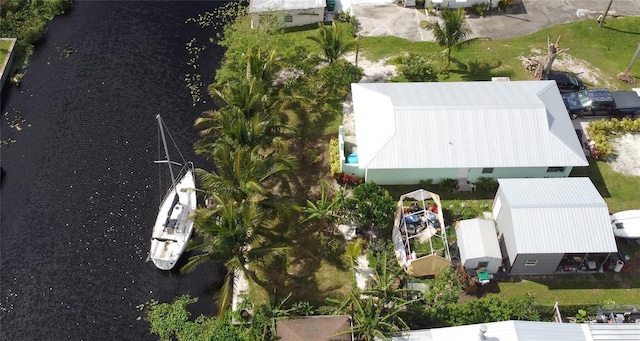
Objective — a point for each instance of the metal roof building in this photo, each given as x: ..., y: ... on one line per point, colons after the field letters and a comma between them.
x: 526, y: 331
x: 544, y: 221
x: 478, y: 245
x: 464, y: 126
x: 284, y: 5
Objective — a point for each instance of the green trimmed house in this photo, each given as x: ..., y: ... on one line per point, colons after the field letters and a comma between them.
x: 408, y: 132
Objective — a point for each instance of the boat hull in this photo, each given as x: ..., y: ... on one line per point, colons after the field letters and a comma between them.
x: 626, y: 224
x: 174, y: 223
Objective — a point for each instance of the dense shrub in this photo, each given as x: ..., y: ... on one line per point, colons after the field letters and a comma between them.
x: 481, y: 9
x: 447, y: 185
x: 340, y: 74
x: 426, y: 183
x: 347, y: 179
x: 334, y: 156
x: 602, y: 129
x: 370, y: 206
x: 26, y: 20
x: 504, y: 4
x: 417, y: 67
x: 485, y: 184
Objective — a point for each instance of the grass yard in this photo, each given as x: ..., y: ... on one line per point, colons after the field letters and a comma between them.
x: 315, y: 273
x: 609, y: 48
x: 4, y: 50
x: 564, y: 291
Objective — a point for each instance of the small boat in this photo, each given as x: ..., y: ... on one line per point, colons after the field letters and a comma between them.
x: 174, y: 223
x: 626, y: 224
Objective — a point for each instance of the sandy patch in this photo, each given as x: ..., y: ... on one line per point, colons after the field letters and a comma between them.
x: 627, y: 151
x: 374, y: 72
x: 590, y: 75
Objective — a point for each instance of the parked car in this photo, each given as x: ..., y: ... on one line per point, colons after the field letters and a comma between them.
x: 602, y: 102
x: 566, y: 82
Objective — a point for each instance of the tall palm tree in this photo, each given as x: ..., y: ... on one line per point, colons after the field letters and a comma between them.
x: 333, y: 42
x: 231, y: 231
x: 245, y: 173
x: 452, y: 34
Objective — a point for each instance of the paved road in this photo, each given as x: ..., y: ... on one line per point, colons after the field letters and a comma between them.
x: 525, y: 17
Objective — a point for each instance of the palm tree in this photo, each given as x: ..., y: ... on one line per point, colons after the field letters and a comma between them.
x: 231, y: 231
x: 371, y: 317
x: 452, y: 34
x: 332, y: 41
x: 245, y: 173
x: 325, y: 209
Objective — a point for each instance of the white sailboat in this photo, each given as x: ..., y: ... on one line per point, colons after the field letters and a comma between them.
x: 174, y: 224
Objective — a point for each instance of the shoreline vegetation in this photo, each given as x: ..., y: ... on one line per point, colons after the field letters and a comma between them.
x: 279, y: 98
x: 26, y: 21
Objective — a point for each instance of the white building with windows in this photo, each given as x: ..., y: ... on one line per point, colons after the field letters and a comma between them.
x: 553, y: 226
x: 293, y: 12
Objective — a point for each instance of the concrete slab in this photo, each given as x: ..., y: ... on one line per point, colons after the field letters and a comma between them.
x: 526, y: 16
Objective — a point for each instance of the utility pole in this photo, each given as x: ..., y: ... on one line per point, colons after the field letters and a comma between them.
x: 605, y: 13
x: 633, y: 60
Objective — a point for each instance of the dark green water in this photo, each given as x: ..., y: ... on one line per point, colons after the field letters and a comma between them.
x: 80, y: 191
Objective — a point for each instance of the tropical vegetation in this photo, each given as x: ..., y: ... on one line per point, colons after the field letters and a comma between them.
x: 26, y: 21
x: 272, y: 211
x: 452, y: 34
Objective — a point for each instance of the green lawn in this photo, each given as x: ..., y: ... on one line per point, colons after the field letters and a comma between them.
x: 609, y: 49
x: 4, y: 50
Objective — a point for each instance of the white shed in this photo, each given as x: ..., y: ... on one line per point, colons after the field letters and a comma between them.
x: 478, y: 244
x: 553, y: 225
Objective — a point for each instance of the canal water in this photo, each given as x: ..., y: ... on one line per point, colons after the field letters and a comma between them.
x: 80, y: 190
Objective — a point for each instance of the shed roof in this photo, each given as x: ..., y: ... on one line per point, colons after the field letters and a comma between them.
x: 284, y: 5
x: 616, y: 331
x: 463, y: 124
x: 545, y: 211
x: 503, y: 331
x: 477, y: 239
x: 315, y: 328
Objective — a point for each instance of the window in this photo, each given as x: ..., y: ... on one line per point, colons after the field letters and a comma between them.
x: 288, y: 18
x: 555, y: 169
x: 530, y: 262
x: 483, y: 264
x: 487, y: 170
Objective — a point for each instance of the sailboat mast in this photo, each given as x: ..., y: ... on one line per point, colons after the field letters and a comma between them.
x: 166, y: 149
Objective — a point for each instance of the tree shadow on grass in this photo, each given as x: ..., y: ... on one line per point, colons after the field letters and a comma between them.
x: 619, y: 30
x: 312, y: 268
x: 593, y: 173
x: 479, y: 69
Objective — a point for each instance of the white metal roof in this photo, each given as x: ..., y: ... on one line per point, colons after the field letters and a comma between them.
x: 617, y: 331
x: 503, y: 331
x: 284, y: 5
x: 463, y: 124
x: 477, y: 239
x: 545, y: 212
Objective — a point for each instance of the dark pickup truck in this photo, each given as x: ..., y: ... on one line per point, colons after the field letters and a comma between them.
x: 602, y: 102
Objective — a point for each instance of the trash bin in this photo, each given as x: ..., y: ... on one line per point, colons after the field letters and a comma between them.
x: 619, y: 265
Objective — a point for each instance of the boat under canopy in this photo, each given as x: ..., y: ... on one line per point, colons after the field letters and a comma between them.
x: 419, y: 217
